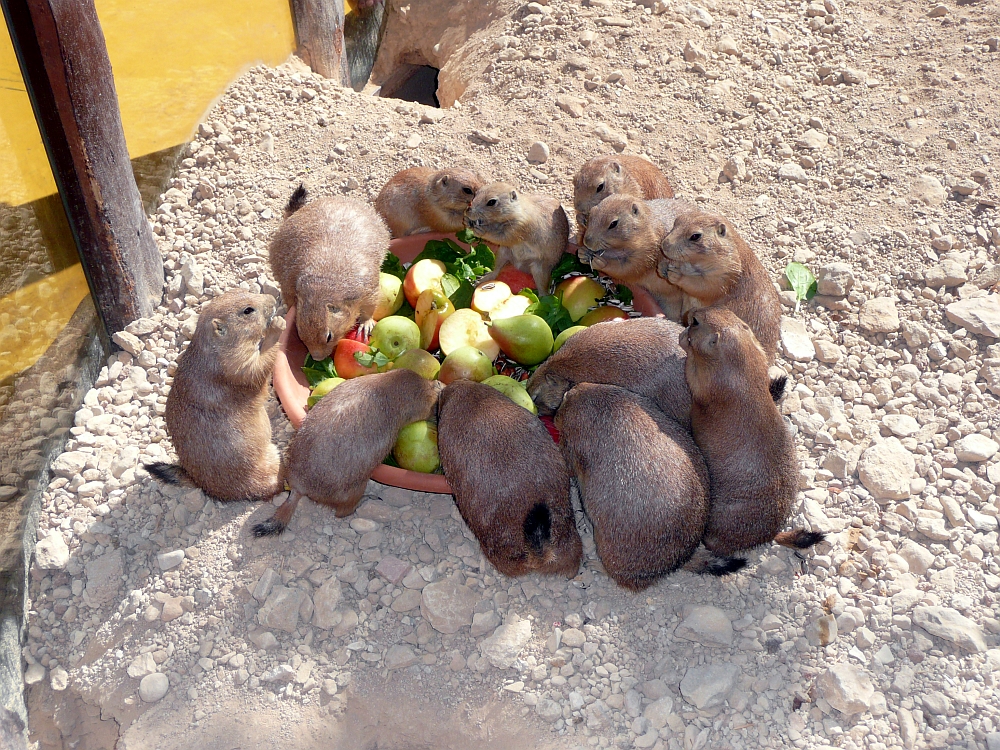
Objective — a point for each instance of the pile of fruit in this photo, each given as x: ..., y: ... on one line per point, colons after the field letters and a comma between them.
x: 434, y: 320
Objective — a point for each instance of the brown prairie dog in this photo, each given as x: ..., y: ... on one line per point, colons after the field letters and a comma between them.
x: 345, y: 436
x: 603, y: 176
x: 215, y: 411
x: 642, y: 481
x: 326, y: 257
x: 736, y: 424
x: 623, y: 241
x: 707, y: 258
x: 422, y: 199
x: 641, y: 355
x: 526, y: 231
x: 510, y: 482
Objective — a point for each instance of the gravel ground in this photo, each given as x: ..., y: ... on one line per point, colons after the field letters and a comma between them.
x: 855, y: 137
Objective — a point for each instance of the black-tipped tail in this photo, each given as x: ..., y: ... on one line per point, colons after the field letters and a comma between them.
x: 777, y: 387
x: 800, y: 538
x: 270, y: 527
x: 169, y: 474
x: 723, y: 566
x: 297, y: 201
x: 538, y: 527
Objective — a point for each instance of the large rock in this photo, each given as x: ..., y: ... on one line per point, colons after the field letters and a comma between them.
x: 325, y: 603
x: 846, y: 688
x: 708, y: 626
x: 879, y: 315
x: 52, y: 553
x: 281, y: 610
x: 708, y: 686
x: 447, y: 605
x: 104, y: 577
x: 947, y: 273
x: 975, y: 448
x: 70, y: 464
x: 948, y: 624
x: 980, y: 315
x: 399, y: 657
x: 795, y: 340
x: 502, y: 648
x: 658, y: 712
x: 928, y: 190
x: 886, y: 469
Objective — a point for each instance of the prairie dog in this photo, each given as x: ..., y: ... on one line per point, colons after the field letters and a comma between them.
x: 421, y: 199
x: 623, y: 241
x: 640, y: 354
x: 215, y: 411
x: 706, y: 257
x: 326, y: 257
x: 510, y: 482
x: 345, y: 436
x: 603, y: 176
x: 527, y: 231
x: 736, y: 424
x: 643, y: 482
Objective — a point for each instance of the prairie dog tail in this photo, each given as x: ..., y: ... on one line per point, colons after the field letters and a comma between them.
x: 282, y: 516
x: 799, y: 538
x: 297, y: 201
x: 777, y: 387
x: 169, y: 474
x: 705, y: 563
x: 538, y: 527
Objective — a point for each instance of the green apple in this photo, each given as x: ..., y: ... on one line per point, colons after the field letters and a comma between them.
x: 561, y: 338
x: 394, y: 335
x: 527, y: 339
x: 579, y: 294
x: 466, y: 363
x: 390, y: 295
x: 421, y: 362
x: 512, y: 390
x: 416, y: 447
x: 602, y: 313
x: 322, y: 388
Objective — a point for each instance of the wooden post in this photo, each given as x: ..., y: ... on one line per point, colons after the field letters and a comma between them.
x: 319, y: 29
x: 63, y: 58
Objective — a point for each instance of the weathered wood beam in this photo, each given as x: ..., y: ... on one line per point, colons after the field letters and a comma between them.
x: 64, y: 61
x: 319, y: 30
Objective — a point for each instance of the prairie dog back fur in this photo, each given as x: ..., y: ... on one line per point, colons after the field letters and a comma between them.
x: 510, y: 482
x: 528, y: 231
x: 604, y: 176
x: 326, y: 258
x: 643, y: 482
x: 422, y: 199
x: 216, y: 413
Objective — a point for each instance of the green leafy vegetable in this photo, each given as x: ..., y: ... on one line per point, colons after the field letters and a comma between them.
x: 529, y: 293
x: 394, y: 266
x: 802, y: 281
x: 318, y: 371
x: 467, y: 266
x: 465, y: 235
x: 568, y: 264
x: 390, y: 460
x: 550, y: 309
x: 623, y: 294
x: 373, y: 357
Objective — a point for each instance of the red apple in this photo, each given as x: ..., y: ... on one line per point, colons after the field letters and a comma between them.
x: 518, y: 280
x: 424, y: 274
x: 579, y: 294
x: 345, y: 363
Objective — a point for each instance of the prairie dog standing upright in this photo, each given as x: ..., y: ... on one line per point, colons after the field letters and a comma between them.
x: 706, y: 257
x: 641, y: 355
x: 527, y: 231
x: 345, y: 436
x: 510, y: 482
x: 604, y: 176
x: 623, y: 241
x: 736, y: 424
x: 642, y: 481
x: 215, y: 411
x: 326, y: 257
x: 422, y: 199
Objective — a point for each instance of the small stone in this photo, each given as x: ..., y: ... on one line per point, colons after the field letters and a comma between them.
x: 264, y: 584
x: 548, y: 710
x: 928, y: 190
x: 975, y: 448
x: 901, y: 425
x: 141, y: 666
x: 34, y: 674
x: 59, y: 679
x: 573, y: 638
x: 728, y: 46
x: 52, y: 553
x: 795, y: 340
x: 264, y: 639
x: 501, y: 648
x: 793, y: 172
x: 281, y: 610
x: 413, y: 141
x: 659, y: 711
x: 408, y: 601
x: 835, y: 280
x: 281, y: 673
x: 708, y: 686
x: 938, y: 11
x: 325, y: 603
x: 538, y: 153
x: 698, y: 15
x: 827, y: 351
x: 399, y: 657
x: 907, y: 727
x: 812, y: 139
x: 484, y: 622
x: 948, y: 624
x: 879, y: 315
x: 886, y: 468
x: 153, y: 687
x: 706, y: 625
x: 947, y: 273
x: 392, y: 569
x: 130, y: 343
x: 448, y: 605
x: 614, y: 138
x: 979, y: 315
x: 170, y: 560
x: 846, y: 688
x: 104, y: 577
x: 571, y: 105
x: 822, y: 631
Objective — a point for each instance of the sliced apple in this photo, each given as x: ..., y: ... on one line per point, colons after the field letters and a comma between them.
x: 431, y: 310
x: 466, y: 328
x: 515, y: 305
x: 423, y: 275
x: 490, y: 296
x: 600, y: 314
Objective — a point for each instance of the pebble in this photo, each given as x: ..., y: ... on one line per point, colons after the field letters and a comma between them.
x: 708, y: 686
x: 879, y: 315
x: 708, y: 626
x: 538, y: 153
x: 326, y: 601
x: 281, y: 610
x: 448, y: 605
x: 846, y: 688
x: 886, y: 468
x: 400, y: 657
x: 51, y: 553
x: 502, y: 648
x: 948, y: 624
x: 104, y: 576
x: 153, y: 687
x: 573, y: 638
x: 659, y: 711
x: 170, y: 560
x: 979, y: 315
x: 795, y: 340
x: 928, y: 190
x: 975, y: 448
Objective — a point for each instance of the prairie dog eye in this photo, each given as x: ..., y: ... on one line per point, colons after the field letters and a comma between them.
x: 582, y: 219
x: 599, y: 188
x: 467, y: 191
x: 248, y: 311
x: 613, y: 224
x: 722, y: 230
x: 491, y: 202
x: 695, y: 237
x: 329, y: 336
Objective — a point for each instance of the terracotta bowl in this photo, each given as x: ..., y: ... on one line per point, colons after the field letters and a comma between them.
x: 292, y: 388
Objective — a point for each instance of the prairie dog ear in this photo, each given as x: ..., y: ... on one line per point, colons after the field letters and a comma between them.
x: 219, y: 326
x: 616, y: 167
x: 513, y: 195
x: 722, y: 229
x: 444, y: 180
x: 635, y: 209
x: 712, y: 341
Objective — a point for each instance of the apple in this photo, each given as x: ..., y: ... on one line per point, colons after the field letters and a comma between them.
x: 416, y: 447
x: 513, y: 390
x: 390, y: 295
x: 561, y: 338
x: 490, y: 296
x: 421, y: 362
x: 424, y: 274
x: 465, y: 327
x: 322, y: 388
x: 579, y: 294
x: 527, y: 339
x: 431, y: 310
x: 394, y: 335
x: 517, y: 280
x: 602, y: 313
x: 516, y: 305
x: 345, y: 363
x: 466, y: 363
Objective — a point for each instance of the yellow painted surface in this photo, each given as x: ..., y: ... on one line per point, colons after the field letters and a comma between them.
x: 32, y: 317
